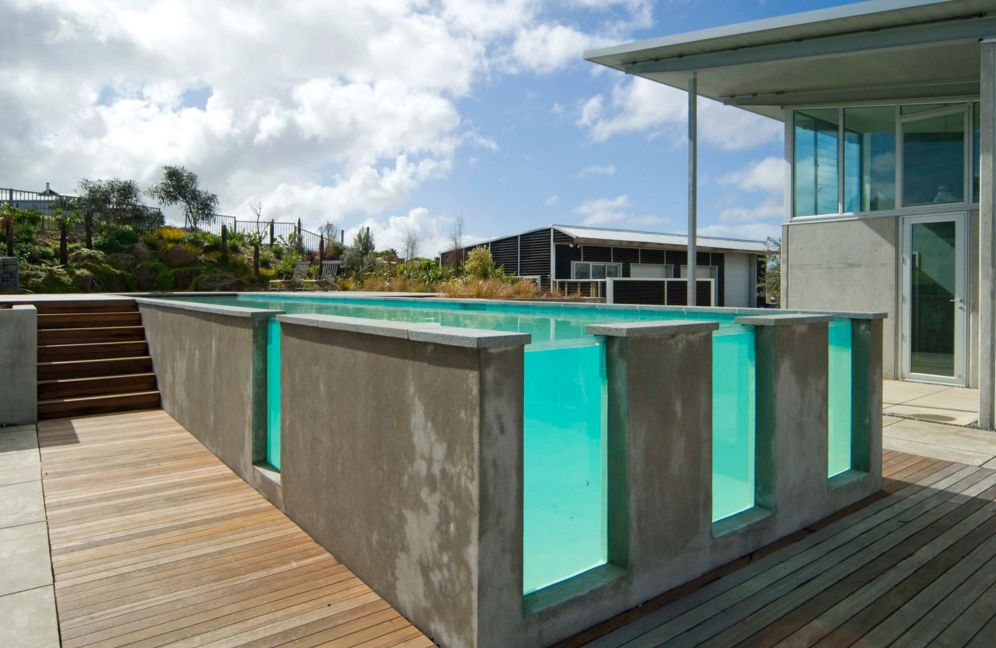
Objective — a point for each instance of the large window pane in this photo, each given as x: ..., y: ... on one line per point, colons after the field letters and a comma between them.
x: 932, y: 321
x: 815, y: 161
x: 934, y: 160
x: 869, y: 159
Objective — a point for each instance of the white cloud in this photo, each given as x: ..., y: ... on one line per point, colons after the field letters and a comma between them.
x: 551, y: 200
x: 433, y: 231
x: 640, y: 106
x: 603, y: 210
x: 324, y: 111
x: 748, y: 231
x: 557, y: 109
x: 765, y: 176
x: 595, y: 170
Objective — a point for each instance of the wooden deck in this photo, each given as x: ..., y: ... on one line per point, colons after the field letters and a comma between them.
x: 914, y: 567
x: 156, y: 543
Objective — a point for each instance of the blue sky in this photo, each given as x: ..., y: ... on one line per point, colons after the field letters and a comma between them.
x: 398, y: 115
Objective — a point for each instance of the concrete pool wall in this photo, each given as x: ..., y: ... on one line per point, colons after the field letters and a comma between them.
x: 402, y: 452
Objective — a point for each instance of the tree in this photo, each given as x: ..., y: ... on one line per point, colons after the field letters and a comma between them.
x: 359, y: 257
x: 328, y: 231
x: 771, y: 285
x: 114, y: 201
x: 256, y: 236
x: 480, y: 264
x: 180, y: 187
x: 410, y: 243
x: 456, y: 238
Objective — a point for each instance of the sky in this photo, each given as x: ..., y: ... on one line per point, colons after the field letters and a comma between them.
x: 398, y: 115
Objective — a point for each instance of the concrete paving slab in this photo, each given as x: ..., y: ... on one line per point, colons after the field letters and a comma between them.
x: 934, y: 451
x: 948, y: 436
x: 889, y: 420
x: 17, y: 438
x: 991, y: 464
x: 29, y: 619
x: 956, y: 398
x: 20, y: 466
x: 24, y: 558
x: 932, y: 414
x: 899, y: 391
x: 21, y: 504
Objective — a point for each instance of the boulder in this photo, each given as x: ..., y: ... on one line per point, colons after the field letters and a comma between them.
x: 184, y: 277
x: 113, y: 283
x: 145, y: 278
x: 178, y: 257
x: 121, y: 260
x: 220, y: 282
x: 141, y: 252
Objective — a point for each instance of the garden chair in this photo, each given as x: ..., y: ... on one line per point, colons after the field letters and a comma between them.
x: 297, y: 280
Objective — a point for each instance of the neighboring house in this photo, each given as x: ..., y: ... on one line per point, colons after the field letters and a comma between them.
x: 43, y: 202
x: 583, y: 259
x: 885, y: 120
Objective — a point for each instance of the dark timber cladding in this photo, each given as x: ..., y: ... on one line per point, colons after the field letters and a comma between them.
x: 637, y: 255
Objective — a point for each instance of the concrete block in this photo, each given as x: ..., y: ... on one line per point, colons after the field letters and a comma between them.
x: 19, y: 365
x: 29, y: 619
x: 24, y: 558
x: 21, y: 503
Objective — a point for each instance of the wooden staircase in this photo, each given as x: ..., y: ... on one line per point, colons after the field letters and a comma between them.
x: 93, y: 358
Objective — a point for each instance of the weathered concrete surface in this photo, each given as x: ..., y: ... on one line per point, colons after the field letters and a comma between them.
x: 19, y: 365
x: 404, y: 459
x: 211, y: 369
x: 27, y: 599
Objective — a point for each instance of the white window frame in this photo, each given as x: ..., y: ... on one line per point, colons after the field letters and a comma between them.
x: 590, y: 264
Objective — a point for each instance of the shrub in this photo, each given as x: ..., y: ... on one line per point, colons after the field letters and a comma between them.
x: 115, y: 238
x: 480, y: 264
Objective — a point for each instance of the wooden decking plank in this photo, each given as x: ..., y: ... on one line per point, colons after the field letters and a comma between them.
x: 155, y: 542
x: 709, y: 620
x: 961, y: 631
x: 794, y: 556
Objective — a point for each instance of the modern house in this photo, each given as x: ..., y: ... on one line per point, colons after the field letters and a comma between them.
x: 889, y: 120
x: 587, y: 260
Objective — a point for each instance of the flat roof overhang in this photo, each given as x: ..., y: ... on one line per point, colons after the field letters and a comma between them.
x: 867, y: 51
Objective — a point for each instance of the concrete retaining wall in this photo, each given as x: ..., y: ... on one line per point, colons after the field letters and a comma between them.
x: 18, y: 365
x: 402, y: 453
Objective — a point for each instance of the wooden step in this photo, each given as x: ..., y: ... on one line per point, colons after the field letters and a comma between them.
x: 92, y: 351
x: 84, y: 306
x: 96, y: 386
x: 64, y: 407
x: 88, y: 320
x: 94, y: 367
x: 91, y: 334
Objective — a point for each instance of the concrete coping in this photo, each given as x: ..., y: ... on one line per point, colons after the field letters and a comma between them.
x: 214, y: 309
x: 416, y: 332
x: 25, y: 307
x: 787, y: 319
x: 656, y: 328
x: 858, y: 315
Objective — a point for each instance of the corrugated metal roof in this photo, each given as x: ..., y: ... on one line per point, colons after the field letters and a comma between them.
x: 619, y: 236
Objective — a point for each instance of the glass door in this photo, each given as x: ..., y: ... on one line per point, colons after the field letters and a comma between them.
x: 934, y: 291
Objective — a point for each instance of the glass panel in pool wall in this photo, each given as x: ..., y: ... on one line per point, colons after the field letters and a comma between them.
x: 869, y: 159
x: 934, y: 160
x: 976, y: 155
x: 564, y: 459
x: 839, y: 400
x: 733, y: 421
x: 273, y: 393
x: 815, y: 161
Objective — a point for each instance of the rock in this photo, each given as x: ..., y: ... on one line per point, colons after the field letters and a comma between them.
x: 184, y: 277
x: 113, y: 283
x: 121, y: 260
x: 178, y: 257
x: 141, y: 252
x: 145, y: 278
x: 220, y: 282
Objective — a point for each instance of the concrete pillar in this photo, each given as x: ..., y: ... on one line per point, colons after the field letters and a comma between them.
x: 866, y: 390
x: 19, y: 365
x: 987, y: 254
x: 659, y: 443
x: 693, y: 172
x: 792, y: 373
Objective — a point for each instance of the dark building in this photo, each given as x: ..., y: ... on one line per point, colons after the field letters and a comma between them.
x: 625, y: 266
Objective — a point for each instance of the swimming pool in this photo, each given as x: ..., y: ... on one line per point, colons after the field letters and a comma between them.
x: 564, y: 462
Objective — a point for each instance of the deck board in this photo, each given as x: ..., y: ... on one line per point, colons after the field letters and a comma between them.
x: 155, y: 542
x: 914, y: 567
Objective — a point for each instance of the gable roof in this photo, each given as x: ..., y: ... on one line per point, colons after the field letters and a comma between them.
x: 636, y: 238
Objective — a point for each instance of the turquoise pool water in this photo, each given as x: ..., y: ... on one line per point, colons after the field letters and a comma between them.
x: 564, y: 410
x: 839, y: 398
